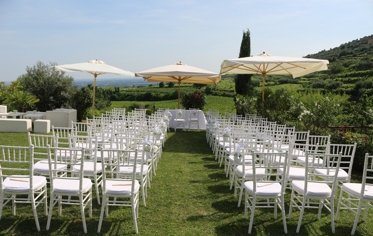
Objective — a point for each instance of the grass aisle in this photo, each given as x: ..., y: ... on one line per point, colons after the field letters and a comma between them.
x: 190, y: 194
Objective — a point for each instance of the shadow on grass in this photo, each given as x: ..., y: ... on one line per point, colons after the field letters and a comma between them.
x: 187, y: 142
x: 228, y: 206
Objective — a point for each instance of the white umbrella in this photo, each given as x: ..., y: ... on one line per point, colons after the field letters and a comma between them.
x: 94, y: 67
x: 265, y: 64
x: 179, y: 73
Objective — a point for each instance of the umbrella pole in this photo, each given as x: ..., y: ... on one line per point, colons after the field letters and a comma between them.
x: 263, y: 82
x: 178, y: 97
x: 94, y: 94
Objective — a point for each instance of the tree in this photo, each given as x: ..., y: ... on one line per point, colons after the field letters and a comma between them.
x: 243, y: 82
x: 161, y: 84
x: 81, y: 100
x: 50, y: 86
x: 20, y: 100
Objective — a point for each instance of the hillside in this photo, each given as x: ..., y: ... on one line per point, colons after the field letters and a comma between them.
x: 356, y: 55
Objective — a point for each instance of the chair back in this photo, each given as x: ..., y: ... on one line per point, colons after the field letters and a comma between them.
x: 63, y: 135
x: 265, y: 167
x: 69, y: 157
x: 367, y: 174
x: 347, y: 152
x: 16, y: 162
x: 322, y: 161
x: 111, y: 167
x: 40, y: 143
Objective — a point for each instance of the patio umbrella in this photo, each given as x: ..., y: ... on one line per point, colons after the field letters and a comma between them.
x: 179, y: 73
x: 266, y: 64
x: 94, y: 67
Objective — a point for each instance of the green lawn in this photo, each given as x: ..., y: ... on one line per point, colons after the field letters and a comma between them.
x: 219, y: 103
x: 189, y: 196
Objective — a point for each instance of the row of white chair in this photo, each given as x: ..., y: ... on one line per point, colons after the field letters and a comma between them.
x: 90, y: 153
x: 310, y: 166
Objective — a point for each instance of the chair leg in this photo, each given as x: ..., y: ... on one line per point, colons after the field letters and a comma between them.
x: 301, y: 214
x: 252, y: 214
x: 357, y: 217
x: 103, y: 206
x: 35, y: 213
x: 51, y: 204
x: 82, y: 214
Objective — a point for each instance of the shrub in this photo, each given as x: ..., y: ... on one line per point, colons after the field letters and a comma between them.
x: 364, y: 145
x: 194, y: 99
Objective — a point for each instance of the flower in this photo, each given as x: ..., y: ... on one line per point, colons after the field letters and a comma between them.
x: 157, y: 132
x: 150, y: 148
x: 196, y: 96
x: 227, y: 132
x: 180, y: 112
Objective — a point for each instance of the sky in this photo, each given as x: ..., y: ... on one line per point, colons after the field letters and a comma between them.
x: 140, y: 35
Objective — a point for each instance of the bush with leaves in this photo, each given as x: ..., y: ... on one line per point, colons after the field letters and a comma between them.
x: 320, y: 111
x: 194, y: 99
x: 363, y: 141
x: 245, y: 104
x: 50, y: 86
x: 81, y: 100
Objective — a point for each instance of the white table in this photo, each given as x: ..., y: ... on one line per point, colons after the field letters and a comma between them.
x: 16, y: 114
x: 34, y: 116
x: 61, y: 117
x: 201, y: 119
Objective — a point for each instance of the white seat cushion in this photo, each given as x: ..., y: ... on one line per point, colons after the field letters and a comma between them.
x: 295, y: 173
x: 249, y: 171
x: 342, y: 174
x: 89, y: 167
x: 43, y: 166
x: 355, y: 188
x: 263, y: 189
x: 70, y: 186
x: 317, y: 190
x: 128, y: 169
x: 19, y: 184
x: 121, y: 187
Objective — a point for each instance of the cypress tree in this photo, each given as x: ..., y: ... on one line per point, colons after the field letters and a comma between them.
x: 243, y: 84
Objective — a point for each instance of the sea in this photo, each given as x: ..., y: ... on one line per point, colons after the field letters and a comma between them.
x: 114, y: 82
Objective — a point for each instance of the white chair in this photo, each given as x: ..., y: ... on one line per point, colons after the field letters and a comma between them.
x: 315, y: 192
x: 316, y: 144
x: 347, y: 152
x: 71, y: 189
x: 118, y: 191
x: 357, y: 197
x: 41, y: 142
x: 243, y: 171
x: 267, y: 187
x: 193, y: 119
x: 63, y: 135
x: 144, y: 165
x: 92, y: 169
x: 18, y: 184
x: 179, y: 119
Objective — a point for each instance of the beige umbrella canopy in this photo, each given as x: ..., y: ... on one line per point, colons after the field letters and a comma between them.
x: 179, y: 73
x: 94, y: 67
x: 266, y: 64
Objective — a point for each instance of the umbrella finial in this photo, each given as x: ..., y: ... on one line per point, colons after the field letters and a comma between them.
x: 179, y: 63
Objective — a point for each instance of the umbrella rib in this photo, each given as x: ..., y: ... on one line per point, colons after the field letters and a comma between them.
x: 284, y: 68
